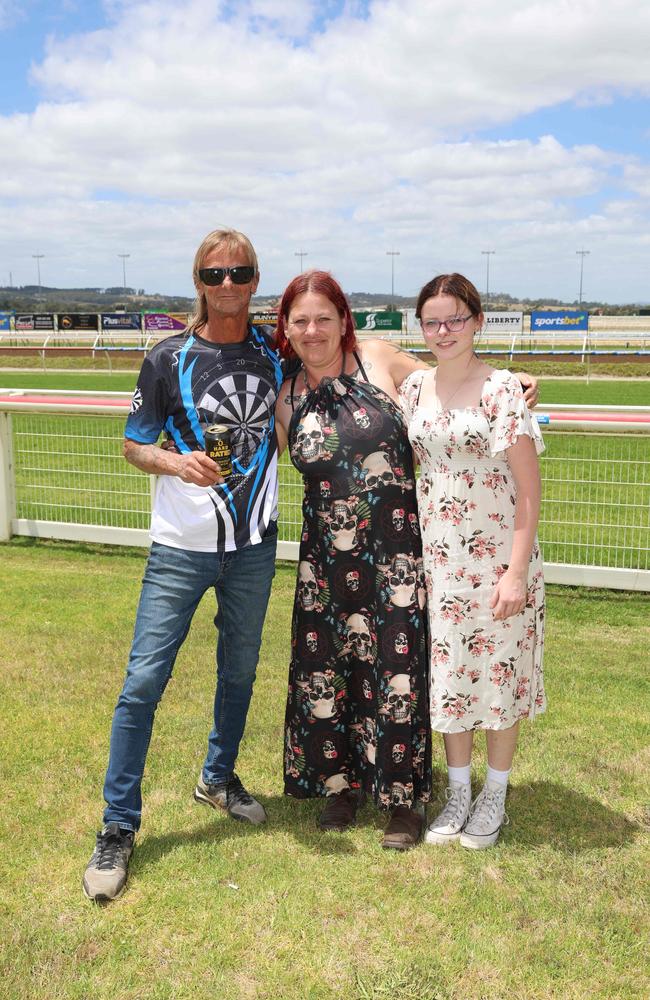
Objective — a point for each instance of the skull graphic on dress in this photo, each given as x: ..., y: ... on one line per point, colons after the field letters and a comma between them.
x: 307, y: 586
x: 310, y: 439
x: 361, y: 418
x: 369, y: 739
x: 377, y: 472
x: 343, y: 525
x: 398, y: 702
x: 320, y: 695
x: 359, y: 640
x: 401, y: 574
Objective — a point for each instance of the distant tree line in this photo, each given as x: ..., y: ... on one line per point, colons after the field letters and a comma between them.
x: 32, y: 299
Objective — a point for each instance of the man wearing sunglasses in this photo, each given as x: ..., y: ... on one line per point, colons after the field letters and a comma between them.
x: 207, y: 532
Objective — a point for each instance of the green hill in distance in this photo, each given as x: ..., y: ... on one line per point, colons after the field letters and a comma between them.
x: 33, y: 299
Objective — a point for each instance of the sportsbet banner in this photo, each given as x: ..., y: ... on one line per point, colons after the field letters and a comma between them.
x: 121, y: 321
x: 34, y: 321
x: 379, y: 322
x: 503, y: 322
x: 559, y: 319
x: 5, y: 321
x: 154, y: 322
x: 78, y: 321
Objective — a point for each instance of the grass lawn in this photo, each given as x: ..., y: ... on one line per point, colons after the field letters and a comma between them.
x: 558, y: 909
x: 629, y: 392
x: 595, y: 504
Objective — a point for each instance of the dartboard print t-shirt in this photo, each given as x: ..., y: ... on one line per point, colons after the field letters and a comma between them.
x: 185, y: 384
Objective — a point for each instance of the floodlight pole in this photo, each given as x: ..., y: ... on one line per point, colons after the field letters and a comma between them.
x: 301, y: 253
x: 581, y: 254
x: 392, y: 254
x: 38, y: 257
x: 487, y: 254
x: 124, y: 257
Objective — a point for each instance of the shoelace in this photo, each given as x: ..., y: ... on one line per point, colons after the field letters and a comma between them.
x: 487, y: 805
x: 453, y: 805
x: 109, y: 847
x: 235, y: 790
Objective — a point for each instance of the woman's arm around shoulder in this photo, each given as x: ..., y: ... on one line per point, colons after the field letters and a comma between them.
x: 509, y: 595
x: 283, y: 411
x: 388, y: 362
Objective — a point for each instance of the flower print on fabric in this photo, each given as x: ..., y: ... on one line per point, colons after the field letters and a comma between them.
x: 484, y: 673
x: 357, y: 706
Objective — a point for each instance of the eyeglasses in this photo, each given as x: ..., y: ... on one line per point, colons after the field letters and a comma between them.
x: 241, y: 274
x: 452, y: 325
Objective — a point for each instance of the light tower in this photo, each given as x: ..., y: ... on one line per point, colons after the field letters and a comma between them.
x: 392, y: 254
x: 487, y: 254
x: 124, y: 257
x: 582, y: 254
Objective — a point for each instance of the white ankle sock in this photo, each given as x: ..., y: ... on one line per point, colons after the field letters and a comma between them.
x: 498, y: 777
x: 462, y: 775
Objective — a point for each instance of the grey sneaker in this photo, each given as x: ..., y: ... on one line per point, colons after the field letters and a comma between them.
x: 231, y: 796
x: 105, y: 876
x: 447, y: 826
x: 487, y: 816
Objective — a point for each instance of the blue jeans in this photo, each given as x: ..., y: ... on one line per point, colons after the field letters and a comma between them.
x: 174, y: 582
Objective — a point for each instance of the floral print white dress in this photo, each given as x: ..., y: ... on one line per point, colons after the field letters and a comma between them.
x: 485, y: 674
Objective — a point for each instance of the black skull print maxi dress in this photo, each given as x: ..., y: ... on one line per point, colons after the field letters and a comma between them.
x: 357, y: 713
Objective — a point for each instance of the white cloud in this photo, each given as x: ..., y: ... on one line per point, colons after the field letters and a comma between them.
x: 330, y: 127
x: 11, y: 13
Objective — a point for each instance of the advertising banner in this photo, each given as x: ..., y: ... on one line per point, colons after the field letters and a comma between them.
x: 503, y: 322
x: 5, y: 320
x: 559, y: 319
x: 164, y: 322
x: 379, y: 322
x: 268, y: 318
x: 121, y: 321
x: 77, y: 321
x: 34, y: 321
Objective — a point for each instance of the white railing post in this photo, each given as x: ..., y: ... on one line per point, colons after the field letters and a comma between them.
x: 7, y: 491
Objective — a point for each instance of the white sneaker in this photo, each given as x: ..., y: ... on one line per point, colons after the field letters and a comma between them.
x: 486, y: 818
x: 448, y: 824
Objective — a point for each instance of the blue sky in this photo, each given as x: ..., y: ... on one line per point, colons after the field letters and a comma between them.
x: 346, y: 129
x: 24, y: 29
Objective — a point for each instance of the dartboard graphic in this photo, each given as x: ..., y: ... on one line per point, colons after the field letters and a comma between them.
x: 136, y: 401
x: 244, y: 402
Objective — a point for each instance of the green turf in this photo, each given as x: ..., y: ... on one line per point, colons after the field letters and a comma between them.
x: 630, y: 392
x: 596, y: 505
x: 598, y: 392
x: 87, y: 381
x: 558, y: 910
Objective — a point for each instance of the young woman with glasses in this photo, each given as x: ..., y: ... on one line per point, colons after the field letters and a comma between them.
x: 478, y: 499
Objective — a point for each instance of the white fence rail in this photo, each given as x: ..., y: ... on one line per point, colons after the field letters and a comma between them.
x: 62, y: 475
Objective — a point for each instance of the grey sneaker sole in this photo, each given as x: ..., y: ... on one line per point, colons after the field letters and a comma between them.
x: 205, y: 800
x: 433, y: 837
x: 477, y: 843
x: 100, y: 897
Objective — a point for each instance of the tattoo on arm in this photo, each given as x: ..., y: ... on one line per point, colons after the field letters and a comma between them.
x: 400, y: 350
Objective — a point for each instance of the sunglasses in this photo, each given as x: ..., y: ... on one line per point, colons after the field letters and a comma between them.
x: 239, y: 275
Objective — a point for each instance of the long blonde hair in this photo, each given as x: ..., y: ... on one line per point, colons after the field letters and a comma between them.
x: 229, y: 239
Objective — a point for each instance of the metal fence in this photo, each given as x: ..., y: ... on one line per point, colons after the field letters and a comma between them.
x: 62, y: 475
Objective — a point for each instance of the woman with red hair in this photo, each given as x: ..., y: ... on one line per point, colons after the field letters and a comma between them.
x: 357, y: 719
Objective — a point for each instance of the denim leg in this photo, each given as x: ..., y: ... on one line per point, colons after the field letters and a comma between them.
x: 243, y: 592
x: 173, y: 584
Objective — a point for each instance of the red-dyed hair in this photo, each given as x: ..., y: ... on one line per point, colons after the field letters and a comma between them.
x: 322, y: 283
